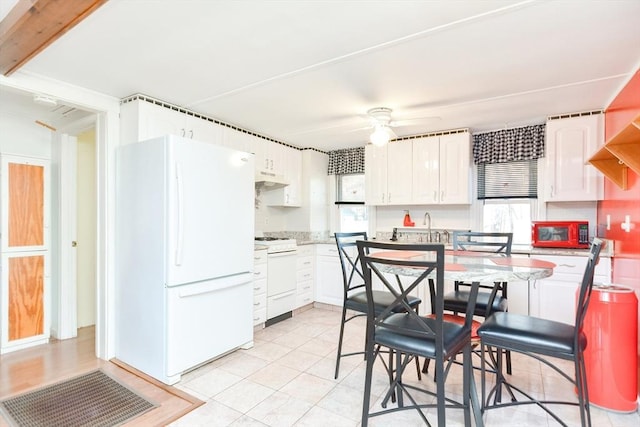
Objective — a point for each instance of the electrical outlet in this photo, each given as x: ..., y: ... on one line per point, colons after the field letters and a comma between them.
x: 266, y: 220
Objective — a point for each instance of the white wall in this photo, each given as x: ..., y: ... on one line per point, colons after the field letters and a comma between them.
x: 21, y: 135
x: 442, y: 217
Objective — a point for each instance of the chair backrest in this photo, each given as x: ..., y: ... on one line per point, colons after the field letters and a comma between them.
x: 352, y: 276
x: 416, y: 262
x: 587, y: 282
x: 484, y: 242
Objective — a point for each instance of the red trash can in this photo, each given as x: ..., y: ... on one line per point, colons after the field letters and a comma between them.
x: 611, y: 327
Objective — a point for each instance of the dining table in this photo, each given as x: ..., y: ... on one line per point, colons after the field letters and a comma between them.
x: 473, y: 267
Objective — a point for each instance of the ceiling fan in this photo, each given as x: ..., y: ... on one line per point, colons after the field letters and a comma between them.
x: 380, y: 118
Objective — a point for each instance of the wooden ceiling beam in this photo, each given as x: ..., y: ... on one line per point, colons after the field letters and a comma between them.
x: 32, y: 25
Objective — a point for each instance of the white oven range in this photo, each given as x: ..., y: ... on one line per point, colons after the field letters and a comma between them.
x: 281, y: 277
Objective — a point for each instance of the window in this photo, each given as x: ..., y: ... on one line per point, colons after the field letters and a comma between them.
x: 350, y: 188
x: 353, y: 215
x: 509, y: 215
x: 517, y: 179
x: 509, y: 190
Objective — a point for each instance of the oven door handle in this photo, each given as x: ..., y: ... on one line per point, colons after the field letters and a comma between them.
x: 281, y: 254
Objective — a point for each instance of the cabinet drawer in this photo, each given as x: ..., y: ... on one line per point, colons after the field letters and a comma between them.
x: 304, y: 275
x: 259, y: 286
x: 260, y: 256
x: 575, y: 265
x: 304, y: 299
x: 305, y: 250
x: 304, y: 262
x: 259, y: 316
x: 327, y: 250
x: 259, y: 301
x: 303, y: 287
x: 565, y: 264
x: 279, y: 304
x: 259, y: 271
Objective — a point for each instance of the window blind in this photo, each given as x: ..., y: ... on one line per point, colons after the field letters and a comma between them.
x: 508, y: 180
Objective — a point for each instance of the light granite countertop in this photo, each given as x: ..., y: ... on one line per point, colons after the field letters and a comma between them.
x: 607, y: 251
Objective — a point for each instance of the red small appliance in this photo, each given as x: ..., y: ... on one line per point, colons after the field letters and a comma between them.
x: 560, y: 234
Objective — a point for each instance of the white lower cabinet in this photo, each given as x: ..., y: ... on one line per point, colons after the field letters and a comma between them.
x: 518, y: 297
x: 554, y: 298
x: 329, y: 287
x: 304, y: 275
x: 259, y: 286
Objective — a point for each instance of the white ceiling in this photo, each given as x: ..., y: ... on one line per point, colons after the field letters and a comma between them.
x: 306, y: 72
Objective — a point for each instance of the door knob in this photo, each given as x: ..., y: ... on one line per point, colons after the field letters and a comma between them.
x: 74, y: 244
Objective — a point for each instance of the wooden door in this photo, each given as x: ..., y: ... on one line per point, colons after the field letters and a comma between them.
x: 25, y: 251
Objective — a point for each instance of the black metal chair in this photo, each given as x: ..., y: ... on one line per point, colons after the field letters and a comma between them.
x: 491, y: 297
x: 355, y: 297
x: 410, y: 336
x: 542, y: 339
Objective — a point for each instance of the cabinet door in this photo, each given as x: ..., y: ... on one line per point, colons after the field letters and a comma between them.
x: 276, y: 155
x: 24, y: 287
x: 399, y: 172
x: 426, y: 173
x: 375, y: 159
x: 25, y: 204
x: 24, y: 298
x: 238, y: 140
x: 156, y: 120
x: 518, y: 297
x: 293, y: 174
x: 454, y: 169
x: 569, y: 144
x: 329, y: 287
x: 557, y: 300
x: 203, y: 130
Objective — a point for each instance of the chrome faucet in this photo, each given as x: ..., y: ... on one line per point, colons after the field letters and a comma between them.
x: 428, y: 224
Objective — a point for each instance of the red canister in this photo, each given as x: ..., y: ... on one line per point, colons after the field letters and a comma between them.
x: 611, y: 327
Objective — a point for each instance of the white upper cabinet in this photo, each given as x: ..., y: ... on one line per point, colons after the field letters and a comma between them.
x: 293, y: 173
x: 141, y: 120
x: 289, y: 195
x: 441, y: 169
x: 388, y: 174
x: 426, y: 170
x: 237, y: 140
x: 399, y: 172
x: 375, y: 178
x: 270, y: 156
x: 567, y: 174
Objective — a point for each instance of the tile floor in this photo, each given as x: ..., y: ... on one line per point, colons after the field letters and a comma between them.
x: 286, y: 379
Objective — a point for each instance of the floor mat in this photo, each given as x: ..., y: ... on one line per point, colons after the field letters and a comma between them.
x: 93, y: 399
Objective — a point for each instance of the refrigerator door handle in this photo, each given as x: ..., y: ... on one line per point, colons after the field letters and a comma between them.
x: 180, y: 219
x: 215, y: 285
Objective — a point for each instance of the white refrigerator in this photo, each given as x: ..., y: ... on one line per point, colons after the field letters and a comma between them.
x: 184, y: 246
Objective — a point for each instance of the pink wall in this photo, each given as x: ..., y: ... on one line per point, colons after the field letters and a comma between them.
x: 617, y: 202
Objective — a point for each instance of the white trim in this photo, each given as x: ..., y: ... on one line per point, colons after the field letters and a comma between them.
x: 67, y: 148
x: 107, y: 139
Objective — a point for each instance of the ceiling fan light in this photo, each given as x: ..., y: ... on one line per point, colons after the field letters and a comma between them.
x: 380, y: 136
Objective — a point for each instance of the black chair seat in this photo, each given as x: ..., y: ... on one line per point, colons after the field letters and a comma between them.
x: 411, y: 338
x: 532, y: 334
x: 457, y: 301
x: 381, y: 299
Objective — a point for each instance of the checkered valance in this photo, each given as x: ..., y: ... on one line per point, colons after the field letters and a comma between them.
x: 348, y: 160
x: 524, y: 143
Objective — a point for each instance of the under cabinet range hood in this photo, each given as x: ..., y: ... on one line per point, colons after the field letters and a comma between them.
x: 270, y: 180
